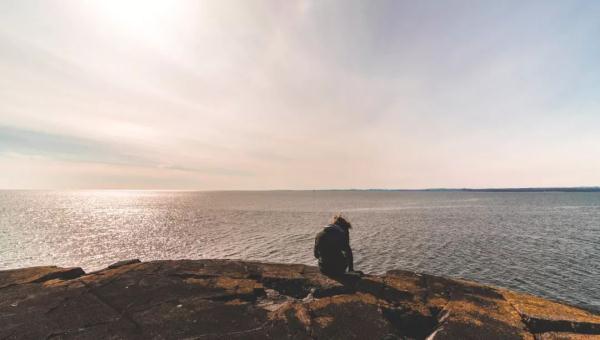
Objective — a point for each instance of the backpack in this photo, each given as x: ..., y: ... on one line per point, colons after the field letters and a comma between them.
x: 330, y: 242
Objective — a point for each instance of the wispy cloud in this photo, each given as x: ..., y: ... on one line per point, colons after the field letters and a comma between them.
x: 43, y: 145
x: 28, y: 142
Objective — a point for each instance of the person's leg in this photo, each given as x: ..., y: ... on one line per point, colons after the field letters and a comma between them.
x: 333, y: 269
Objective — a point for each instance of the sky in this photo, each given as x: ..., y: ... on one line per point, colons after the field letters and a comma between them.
x: 260, y: 95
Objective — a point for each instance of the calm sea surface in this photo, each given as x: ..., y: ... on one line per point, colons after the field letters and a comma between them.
x: 542, y: 243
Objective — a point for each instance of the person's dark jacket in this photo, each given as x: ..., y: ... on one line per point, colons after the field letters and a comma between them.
x: 332, y: 248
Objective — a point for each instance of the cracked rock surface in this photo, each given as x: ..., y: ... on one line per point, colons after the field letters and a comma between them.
x: 227, y: 299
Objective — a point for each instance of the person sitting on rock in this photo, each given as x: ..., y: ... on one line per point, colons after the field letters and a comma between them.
x: 332, y: 248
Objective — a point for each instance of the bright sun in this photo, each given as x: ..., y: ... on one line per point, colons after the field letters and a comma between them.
x: 145, y: 19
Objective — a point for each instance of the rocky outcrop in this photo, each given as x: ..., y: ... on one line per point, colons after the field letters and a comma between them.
x: 225, y: 299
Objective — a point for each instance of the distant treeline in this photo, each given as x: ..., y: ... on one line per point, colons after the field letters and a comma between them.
x: 550, y: 189
x: 576, y: 189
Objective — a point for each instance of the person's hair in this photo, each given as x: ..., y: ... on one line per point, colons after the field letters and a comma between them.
x: 339, y: 220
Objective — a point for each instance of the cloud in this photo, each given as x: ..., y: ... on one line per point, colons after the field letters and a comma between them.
x: 61, y: 147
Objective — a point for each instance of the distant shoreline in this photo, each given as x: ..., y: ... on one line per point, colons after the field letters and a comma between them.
x: 548, y: 189
x: 576, y: 189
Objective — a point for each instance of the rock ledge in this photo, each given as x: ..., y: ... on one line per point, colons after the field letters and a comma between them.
x: 226, y: 299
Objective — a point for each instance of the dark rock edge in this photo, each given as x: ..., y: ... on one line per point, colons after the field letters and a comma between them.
x: 230, y: 299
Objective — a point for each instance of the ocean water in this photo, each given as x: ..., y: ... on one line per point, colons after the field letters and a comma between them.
x: 547, y: 244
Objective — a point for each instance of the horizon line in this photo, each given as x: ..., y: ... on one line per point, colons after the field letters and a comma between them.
x: 481, y: 189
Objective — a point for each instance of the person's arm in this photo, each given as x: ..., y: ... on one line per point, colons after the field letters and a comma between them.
x: 349, y: 253
x: 316, y: 250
